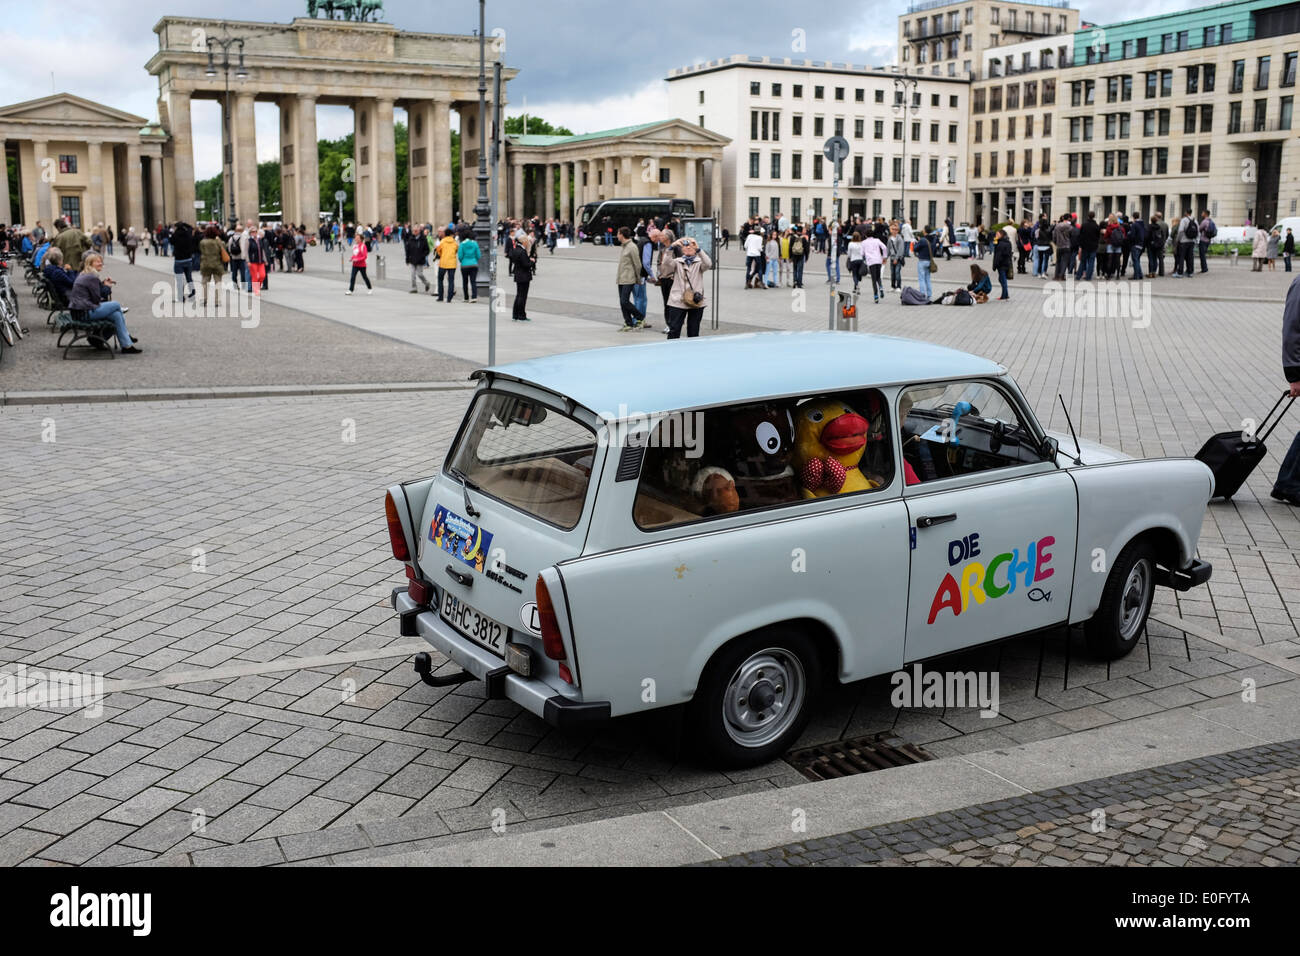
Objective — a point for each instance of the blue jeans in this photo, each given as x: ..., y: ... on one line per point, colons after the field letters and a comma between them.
x: 1042, y: 257
x: 896, y: 274
x: 798, y: 269
x: 837, y: 269
x: 1288, y: 478
x: 113, y: 311
x: 1002, y: 278
x: 638, y: 297
x: 1087, y: 263
x: 923, y: 276
x: 1136, y: 256
x: 769, y: 279
x: 184, y: 278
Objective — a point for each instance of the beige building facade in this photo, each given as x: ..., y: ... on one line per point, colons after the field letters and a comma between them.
x: 373, y: 68
x: 82, y: 161
x: 950, y: 37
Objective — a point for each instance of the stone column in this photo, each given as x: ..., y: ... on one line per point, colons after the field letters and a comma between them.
x: 45, y: 211
x: 156, y: 209
x: 607, y: 179
x: 690, y: 188
x: 112, y: 213
x: 715, y: 187
x: 566, y: 212
x: 6, y: 210
x: 182, y: 144
x: 243, y: 142
x: 94, y: 215
x: 625, y: 177
x: 440, y: 160
x: 135, y: 188
x: 365, y: 195
x: 386, y: 160
x: 308, y: 163
x: 288, y: 134
x: 516, y: 190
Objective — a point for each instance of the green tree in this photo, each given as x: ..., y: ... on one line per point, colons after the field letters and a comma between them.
x: 514, y: 126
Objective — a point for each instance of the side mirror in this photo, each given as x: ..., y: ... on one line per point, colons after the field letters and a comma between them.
x: 1049, y: 449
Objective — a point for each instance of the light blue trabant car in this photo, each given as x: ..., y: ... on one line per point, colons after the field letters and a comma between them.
x: 727, y: 523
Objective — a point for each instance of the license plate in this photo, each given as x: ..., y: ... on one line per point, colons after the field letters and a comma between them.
x: 479, y: 628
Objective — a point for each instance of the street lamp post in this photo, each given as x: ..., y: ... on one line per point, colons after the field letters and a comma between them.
x: 904, y: 90
x: 482, y: 208
x: 241, y: 72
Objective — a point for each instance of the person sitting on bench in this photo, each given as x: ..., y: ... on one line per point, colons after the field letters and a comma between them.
x: 90, y: 295
x: 59, y: 278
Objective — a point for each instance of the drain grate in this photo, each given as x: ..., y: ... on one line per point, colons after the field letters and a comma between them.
x: 844, y: 758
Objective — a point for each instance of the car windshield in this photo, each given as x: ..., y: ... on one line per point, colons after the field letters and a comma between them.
x: 526, y: 454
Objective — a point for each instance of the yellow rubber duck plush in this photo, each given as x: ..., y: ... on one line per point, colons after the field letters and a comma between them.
x: 829, y: 438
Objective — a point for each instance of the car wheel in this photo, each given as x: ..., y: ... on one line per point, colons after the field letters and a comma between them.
x: 755, y: 698
x: 1125, y: 603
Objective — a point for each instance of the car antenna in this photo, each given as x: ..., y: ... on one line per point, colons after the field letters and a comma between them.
x: 1078, y: 453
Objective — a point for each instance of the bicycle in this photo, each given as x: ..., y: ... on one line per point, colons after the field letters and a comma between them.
x: 10, y: 328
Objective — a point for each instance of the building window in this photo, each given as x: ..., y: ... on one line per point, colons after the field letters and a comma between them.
x: 1209, y: 36
x: 796, y: 207
x: 1011, y: 127
x: 916, y: 132
x: 1047, y: 124
x: 1261, y: 112
x: 1261, y: 73
x: 1207, y: 118
x: 1238, y: 76
x: 753, y: 124
x: 859, y: 96
x: 753, y: 165
x: 817, y: 166
x: 796, y: 124
x: 776, y: 165
x: 1288, y: 69
x: 70, y: 206
x: 1203, y: 158
x: 880, y: 96
x: 1029, y: 126
x: 1286, y: 105
x: 819, y: 92
x: 878, y: 129
x: 896, y: 168
x: 839, y: 92
x: 664, y: 173
x: 1166, y: 82
x: 68, y: 164
x: 916, y: 169
x: 1207, y: 77
x: 776, y: 89
x: 839, y: 126
x: 1189, y: 158
x: 1234, y: 117
x: 934, y: 170
x: 1189, y: 119
x: 859, y: 127
x: 952, y: 132
x: 934, y: 132
x: 797, y: 91
x: 774, y: 208
x: 877, y: 168
x: 1162, y: 160
x: 1045, y: 162
x: 977, y: 103
x: 701, y: 96
x: 819, y: 124
x: 978, y: 173
x: 1049, y: 92
x: 898, y: 130
x: 995, y: 99
x: 993, y: 163
x: 701, y: 119
x: 753, y: 206
x: 979, y: 131
x: 796, y: 166
x: 755, y: 88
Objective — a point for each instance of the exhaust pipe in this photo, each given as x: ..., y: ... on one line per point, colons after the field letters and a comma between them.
x: 424, y: 667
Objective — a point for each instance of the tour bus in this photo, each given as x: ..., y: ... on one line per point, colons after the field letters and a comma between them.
x: 595, y: 217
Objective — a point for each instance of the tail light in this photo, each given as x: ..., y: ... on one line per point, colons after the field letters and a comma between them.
x: 552, y: 643
x: 396, y: 536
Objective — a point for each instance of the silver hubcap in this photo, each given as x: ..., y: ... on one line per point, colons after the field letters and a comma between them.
x: 763, y: 697
x: 1134, y: 599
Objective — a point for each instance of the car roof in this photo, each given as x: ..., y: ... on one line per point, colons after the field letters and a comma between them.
x: 644, y: 379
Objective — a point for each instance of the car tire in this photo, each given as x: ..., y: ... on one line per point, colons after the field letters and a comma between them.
x: 1121, y: 617
x: 754, y: 698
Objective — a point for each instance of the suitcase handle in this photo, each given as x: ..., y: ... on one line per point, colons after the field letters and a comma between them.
x: 1269, y: 431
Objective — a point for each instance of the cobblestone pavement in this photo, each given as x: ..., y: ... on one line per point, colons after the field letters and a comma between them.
x: 261, y: 705
x: 287, y: 347
x: 1232, y: 809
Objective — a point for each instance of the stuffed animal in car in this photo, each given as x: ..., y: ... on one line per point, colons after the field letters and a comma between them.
x: 754, y: 443
x: 828, y: 445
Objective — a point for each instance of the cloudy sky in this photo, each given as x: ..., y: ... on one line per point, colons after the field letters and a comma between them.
x: 585, y: 64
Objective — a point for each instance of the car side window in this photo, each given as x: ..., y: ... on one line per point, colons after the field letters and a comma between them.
x: 763, y: 454
x: 961, y: 428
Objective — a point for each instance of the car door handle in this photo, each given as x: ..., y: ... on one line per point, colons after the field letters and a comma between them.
x: 926, y: 520
x: 461, y: 577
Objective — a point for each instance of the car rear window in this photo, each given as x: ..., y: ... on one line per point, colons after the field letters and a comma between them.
x: 526, y: 454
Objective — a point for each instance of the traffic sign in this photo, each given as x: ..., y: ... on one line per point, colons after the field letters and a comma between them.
x: 340, y: 196
x: 836, y: 149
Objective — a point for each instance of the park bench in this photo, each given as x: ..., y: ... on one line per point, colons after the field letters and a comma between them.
x: 95, y: 333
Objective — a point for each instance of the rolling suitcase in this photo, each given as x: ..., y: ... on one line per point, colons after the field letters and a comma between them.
x: 1232, y: 457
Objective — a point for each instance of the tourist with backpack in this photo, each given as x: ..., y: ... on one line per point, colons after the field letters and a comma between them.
x: 237, y: 247
x: 1185, y: 246
x: 1206, y: 231
x: 1157, y: 239
x: 798, y: 255
x: 1136, y: 240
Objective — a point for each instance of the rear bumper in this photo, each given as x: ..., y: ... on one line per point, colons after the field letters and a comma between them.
x: 1194, y: 575
x: 534, y: 696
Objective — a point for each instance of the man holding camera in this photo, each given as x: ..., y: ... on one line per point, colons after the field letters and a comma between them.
x: 686, y: 300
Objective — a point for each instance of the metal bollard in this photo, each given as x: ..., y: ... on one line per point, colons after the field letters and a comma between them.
x: 381, y: 267
x: 1234, y: 252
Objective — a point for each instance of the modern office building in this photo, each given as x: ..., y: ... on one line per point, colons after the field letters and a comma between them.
x: 907, y: 136
x: 950, y: 37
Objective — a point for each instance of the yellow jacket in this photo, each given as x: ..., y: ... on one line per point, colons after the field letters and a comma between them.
x: 446, y: 251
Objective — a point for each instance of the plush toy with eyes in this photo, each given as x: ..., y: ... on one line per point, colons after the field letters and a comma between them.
x: 829, y: 441
x: 754, y: 442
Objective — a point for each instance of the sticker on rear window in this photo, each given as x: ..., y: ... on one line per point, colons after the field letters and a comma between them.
x: 460, y: 537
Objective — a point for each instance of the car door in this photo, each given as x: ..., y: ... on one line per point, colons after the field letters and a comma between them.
x: 993, y: 523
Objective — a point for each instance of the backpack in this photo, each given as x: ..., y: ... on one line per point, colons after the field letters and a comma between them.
x: 963, y: 298
x: 796, y: 246
x: 232, y: 247
x: 1211, y: 230
x: 911, y: 296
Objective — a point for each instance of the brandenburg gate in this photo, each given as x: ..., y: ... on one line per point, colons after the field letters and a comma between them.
x: 370, y: 67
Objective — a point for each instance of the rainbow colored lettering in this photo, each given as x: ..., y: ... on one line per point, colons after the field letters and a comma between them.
x: 975, y: 581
